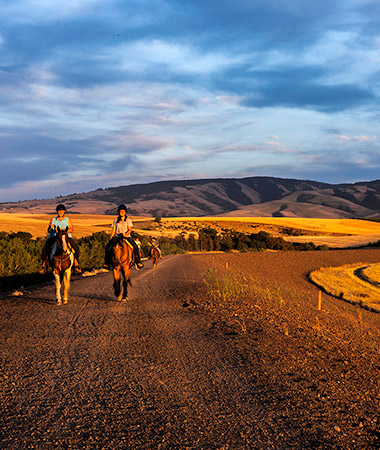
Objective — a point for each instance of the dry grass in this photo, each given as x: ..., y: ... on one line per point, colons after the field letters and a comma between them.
x: 371, y: 274
x: 333, y: 232
x: 347, y: 283
x: 324, y: 226
x: 36, y: 224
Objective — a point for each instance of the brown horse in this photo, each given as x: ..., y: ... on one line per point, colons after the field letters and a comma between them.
x: 155, y: 256
x: 122, y: 258
x: 61, y: 261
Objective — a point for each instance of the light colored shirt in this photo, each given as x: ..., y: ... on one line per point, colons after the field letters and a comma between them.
x: 62, y: 224
x: 122, y: 226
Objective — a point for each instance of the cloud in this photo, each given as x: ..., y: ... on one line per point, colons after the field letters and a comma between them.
x: 37, y: 11
x: 356, y: 138
x: 147, y: 89
x: 310, y: 96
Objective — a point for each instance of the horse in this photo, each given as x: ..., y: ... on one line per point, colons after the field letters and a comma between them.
x: 61, y: 261
x: 155, y: 256
x: 122, y: 259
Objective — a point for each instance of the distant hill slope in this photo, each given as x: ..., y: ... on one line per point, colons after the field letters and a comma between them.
x: 253, y: 196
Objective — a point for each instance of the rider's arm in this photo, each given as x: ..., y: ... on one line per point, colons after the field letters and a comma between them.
x: 128, y: 232
x: 113, y: 232
x: 71, y: 228
x: 50, y: 227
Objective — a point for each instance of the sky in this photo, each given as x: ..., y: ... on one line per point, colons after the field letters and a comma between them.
x: 101, y: 93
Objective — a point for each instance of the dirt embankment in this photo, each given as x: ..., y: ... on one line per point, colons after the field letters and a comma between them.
x: 176, y: 368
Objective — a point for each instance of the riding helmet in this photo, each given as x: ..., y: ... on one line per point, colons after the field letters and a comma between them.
x: 60, y: 207
x: 122, y: 207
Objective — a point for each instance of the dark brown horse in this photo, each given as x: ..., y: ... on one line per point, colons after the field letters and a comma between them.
x: 155, y: 256
x: 61, y: 261
x: 122, y: 258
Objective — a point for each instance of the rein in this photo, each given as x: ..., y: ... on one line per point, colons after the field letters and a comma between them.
x: 60, y: 261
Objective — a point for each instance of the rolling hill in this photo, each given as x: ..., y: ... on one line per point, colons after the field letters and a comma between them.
x: 252, y: 196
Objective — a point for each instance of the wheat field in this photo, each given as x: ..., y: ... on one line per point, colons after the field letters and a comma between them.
x: 334, y: 232
x: 348, y: 283
x: 36, y: 224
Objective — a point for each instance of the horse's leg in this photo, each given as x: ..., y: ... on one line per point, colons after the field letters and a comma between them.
x: 66, y: 284
x: 57, y: 279
x: 126, y: 271
x: 116, y: 282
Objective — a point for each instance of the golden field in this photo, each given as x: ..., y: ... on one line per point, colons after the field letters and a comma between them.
x: 356, y: 283
x: 333, y: 232
x: 36, y: 224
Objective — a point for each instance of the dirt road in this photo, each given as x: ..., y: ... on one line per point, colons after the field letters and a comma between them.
x: 161, y: 371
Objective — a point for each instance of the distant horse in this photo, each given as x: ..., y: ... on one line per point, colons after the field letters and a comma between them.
x: 122, y: 258
x: 61, y: 261
x: 155, y: 256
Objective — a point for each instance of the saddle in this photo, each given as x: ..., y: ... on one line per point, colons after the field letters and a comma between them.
x: 119, y: 239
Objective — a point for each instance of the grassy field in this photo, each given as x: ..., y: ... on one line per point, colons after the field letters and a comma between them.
x: 348, y: 283
x: 36, y: 224
x: 334, y: 232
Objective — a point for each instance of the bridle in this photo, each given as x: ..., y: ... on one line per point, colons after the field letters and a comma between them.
x: 62, y: 244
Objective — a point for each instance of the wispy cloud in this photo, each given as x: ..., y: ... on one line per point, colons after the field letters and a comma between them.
x: 356, y: 138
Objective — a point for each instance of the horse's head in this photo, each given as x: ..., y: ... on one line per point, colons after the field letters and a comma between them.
x: 62, y: 238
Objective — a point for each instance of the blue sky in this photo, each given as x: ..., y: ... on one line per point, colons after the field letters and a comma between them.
x: 107, y: 93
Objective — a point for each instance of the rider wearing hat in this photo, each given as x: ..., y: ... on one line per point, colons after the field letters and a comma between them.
x: 122, y: 225
x: 154, y: 244
x: 63, y: 222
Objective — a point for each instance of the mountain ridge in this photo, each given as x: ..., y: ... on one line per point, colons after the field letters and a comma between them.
x: 249, y: 196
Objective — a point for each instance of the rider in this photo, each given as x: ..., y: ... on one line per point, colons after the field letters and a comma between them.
x: 154, y: 244
x: 122, y: 225
x: 139, y: 245
x: 61, y: 221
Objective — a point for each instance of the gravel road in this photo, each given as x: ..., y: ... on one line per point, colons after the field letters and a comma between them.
x: 172, y: 368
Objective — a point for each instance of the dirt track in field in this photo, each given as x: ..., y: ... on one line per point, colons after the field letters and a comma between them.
x: 173, y: 368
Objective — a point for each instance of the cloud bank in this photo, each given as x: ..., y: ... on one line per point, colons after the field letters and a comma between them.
x: 95, y: 95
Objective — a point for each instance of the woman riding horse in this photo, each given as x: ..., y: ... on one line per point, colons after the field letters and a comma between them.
x: 60, y: 221
x: 122, y: 226
x: 154, y: 244
x: 61, y: 262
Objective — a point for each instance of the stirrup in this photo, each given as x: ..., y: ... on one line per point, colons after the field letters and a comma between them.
x: 43, y: 268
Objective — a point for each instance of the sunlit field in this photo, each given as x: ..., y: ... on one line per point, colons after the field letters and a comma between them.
x: 333, y: 232
x: 356, y: 283
x: 36, y: 224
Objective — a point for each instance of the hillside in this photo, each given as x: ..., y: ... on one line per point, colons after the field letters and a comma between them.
x: 253, y: 196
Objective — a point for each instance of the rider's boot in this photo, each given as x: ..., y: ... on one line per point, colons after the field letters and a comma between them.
x: 44, y: 267
x: 77, y: 268
x: 138, y: 264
